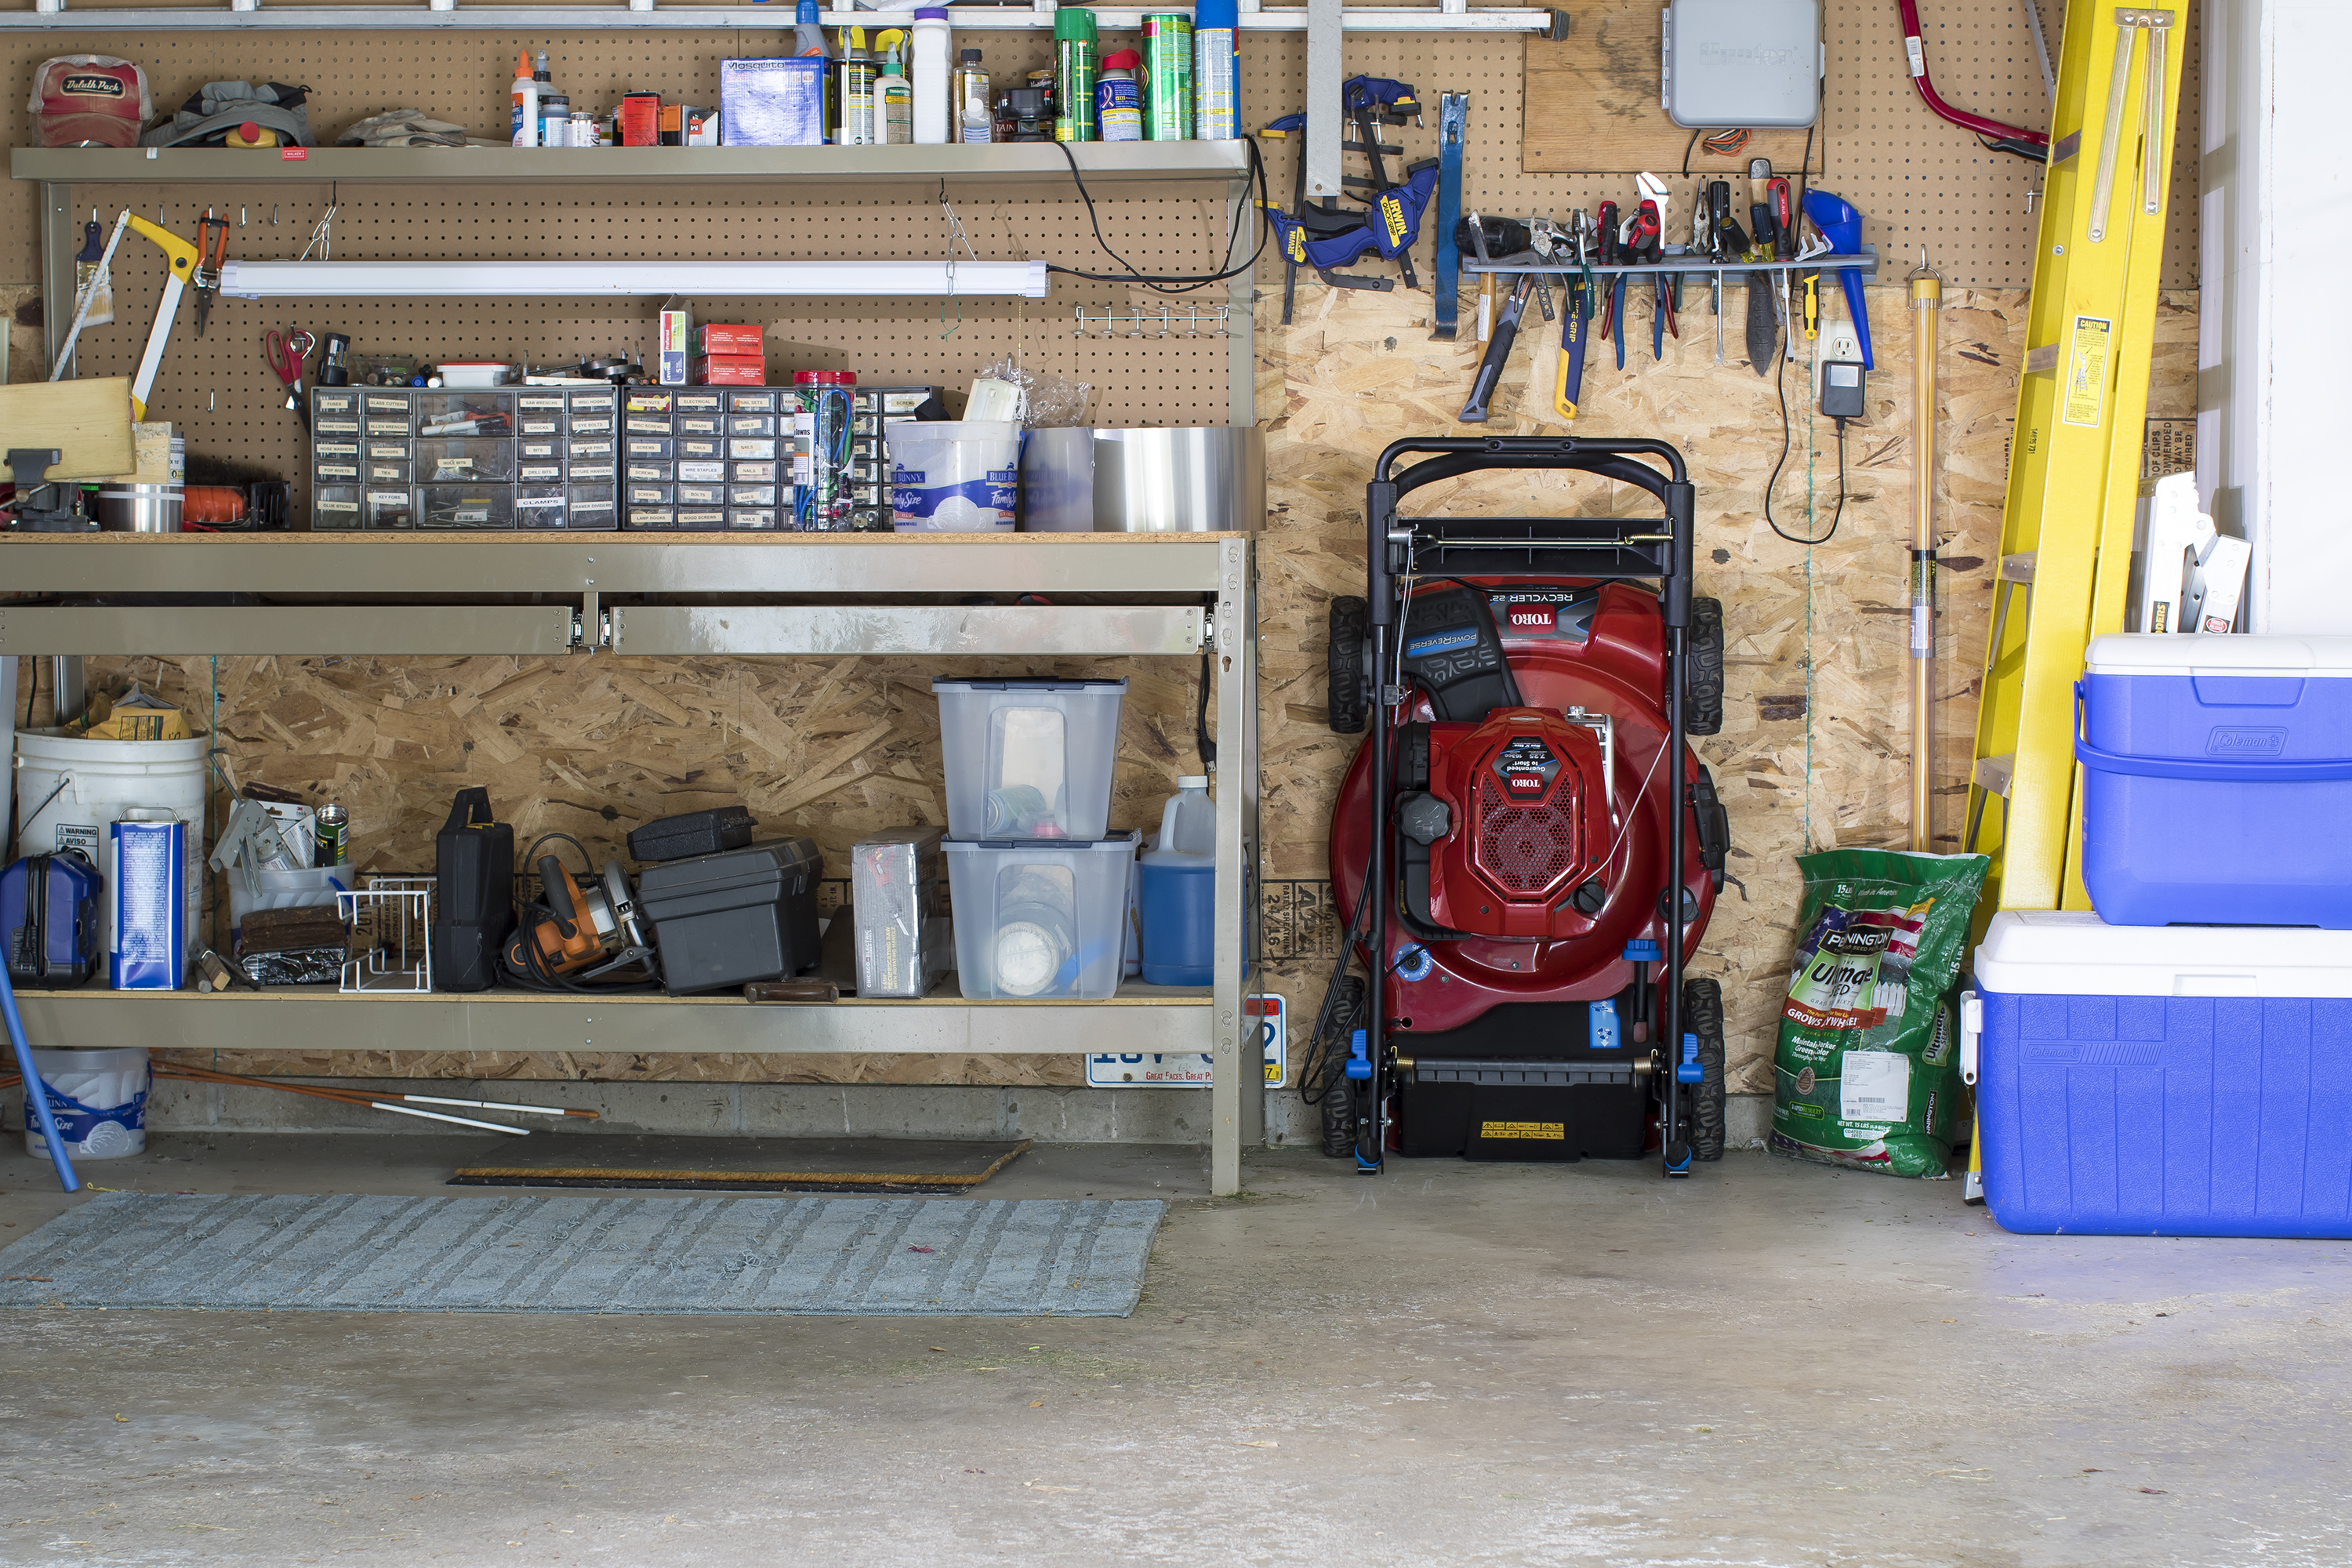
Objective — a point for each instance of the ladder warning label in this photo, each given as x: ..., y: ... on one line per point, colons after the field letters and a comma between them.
x: 2084, y: 395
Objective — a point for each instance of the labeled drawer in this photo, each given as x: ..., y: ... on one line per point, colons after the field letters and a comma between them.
x: 465, y: 506
x: 659, y: 448
x: 649, y: 473
x: 702, y: 446
x: 651, y: 517
x: 751, y: 495
x: 702, y: 519
x: 698, y: 401
x: 761, y: 473
x: 756, y: 518
x: 757, y: 400
x: 694, y: 495
x: 701, y: 424
x: 646, y: 400
x: 639, y: 495
x: 539, y: 506
x: 386, y: 473
x: 466, y: 461
x: 702, y: 471
x: 592, y: 506
x: 593, y: 401
x: 751, y: 448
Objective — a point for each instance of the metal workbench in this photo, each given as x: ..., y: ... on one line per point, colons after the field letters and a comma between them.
x: 395, y: 594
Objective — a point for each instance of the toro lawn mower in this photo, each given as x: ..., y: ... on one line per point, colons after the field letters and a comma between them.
x: 1505, y: 842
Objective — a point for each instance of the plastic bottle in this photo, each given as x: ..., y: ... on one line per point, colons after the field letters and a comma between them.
x: 1188, y: 822
x: 525, y: 132
x: 1176, y: 890
x: 808, y: 30
x: 974, y: 107
x: 554, y: 116
x: 1216, y: 70
x: 1119, y: 102
x: 894, y: 95
x: 933, y: 88
x: 1074, y: 74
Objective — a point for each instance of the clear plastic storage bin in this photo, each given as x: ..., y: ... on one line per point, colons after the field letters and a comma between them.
x: 1039, y: 917
x: 1029, y: 758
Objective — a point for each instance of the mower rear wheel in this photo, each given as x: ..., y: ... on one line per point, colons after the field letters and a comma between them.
x: 1344, y: 666
x: 1337, y: 1104
x: 1702, y: 693
x: 1703, y: 1016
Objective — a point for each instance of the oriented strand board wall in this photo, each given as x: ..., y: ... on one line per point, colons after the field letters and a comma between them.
x: 1813, y: 747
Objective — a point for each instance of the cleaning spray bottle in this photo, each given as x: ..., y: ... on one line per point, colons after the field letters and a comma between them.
x: 526, y: 102
x: 894, y: 95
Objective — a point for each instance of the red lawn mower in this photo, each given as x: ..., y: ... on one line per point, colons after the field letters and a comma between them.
x: 1515, y: 814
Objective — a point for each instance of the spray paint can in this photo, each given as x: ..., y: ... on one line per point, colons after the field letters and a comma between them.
x: 823, y: 426
x: 1216, y: 70
x: 1167, y: 77
x: 1119, y: 101
x: 331, y: 834
x: 1074, y: 74
x: 854, y: 93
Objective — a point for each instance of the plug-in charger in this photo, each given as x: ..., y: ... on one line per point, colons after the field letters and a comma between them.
x: 1842, y: 388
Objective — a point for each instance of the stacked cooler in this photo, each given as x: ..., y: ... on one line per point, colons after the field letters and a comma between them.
x: 1038, y: 882
x: 2180, y: 1062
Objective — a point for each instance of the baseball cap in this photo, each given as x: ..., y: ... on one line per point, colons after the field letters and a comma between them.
x: 82, y: 98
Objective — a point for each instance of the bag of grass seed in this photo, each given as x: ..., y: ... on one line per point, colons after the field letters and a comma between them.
x: 1868, y: 1065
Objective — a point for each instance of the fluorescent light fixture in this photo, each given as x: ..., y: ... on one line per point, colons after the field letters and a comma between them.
x: 588, y: 280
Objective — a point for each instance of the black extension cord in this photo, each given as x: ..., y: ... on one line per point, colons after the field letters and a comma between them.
x: 1180, y: 284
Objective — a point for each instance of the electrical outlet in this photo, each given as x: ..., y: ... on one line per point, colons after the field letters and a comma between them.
x: 1838, y: 342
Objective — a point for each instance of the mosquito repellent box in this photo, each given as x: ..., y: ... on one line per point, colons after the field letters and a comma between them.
x: 2181, y: 1080
x: 2216, y: 770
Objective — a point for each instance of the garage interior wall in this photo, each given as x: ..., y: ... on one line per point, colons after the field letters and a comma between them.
x: 1814, y: 748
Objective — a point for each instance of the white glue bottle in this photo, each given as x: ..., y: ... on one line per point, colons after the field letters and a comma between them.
x: 526, y: 102
x: 930, y: 55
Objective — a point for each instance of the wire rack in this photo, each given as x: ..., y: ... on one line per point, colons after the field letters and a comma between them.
x: 390, y: 948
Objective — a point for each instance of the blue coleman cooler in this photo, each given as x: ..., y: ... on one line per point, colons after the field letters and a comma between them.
x: 2217, y: 780
x: 2189, y: 1081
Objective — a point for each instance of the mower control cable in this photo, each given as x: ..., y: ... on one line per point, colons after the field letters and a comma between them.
x: 1998, y: 137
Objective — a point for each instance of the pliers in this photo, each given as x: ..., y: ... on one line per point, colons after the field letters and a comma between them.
x: 211, y: 252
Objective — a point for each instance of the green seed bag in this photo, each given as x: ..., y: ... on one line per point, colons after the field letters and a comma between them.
x: 1867, y: 1073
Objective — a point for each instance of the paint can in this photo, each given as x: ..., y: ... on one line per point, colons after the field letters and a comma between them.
x: 332, y: 835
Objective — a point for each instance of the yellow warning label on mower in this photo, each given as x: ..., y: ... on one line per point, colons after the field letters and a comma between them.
x: 2085, y: 393
x: 1550, y: 1131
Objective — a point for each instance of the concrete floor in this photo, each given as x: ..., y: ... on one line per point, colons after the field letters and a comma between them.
x: 1769, y: 1364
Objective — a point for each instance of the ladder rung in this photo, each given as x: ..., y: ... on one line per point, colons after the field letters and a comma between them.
x: 1993, y: 773
x: 2018, y: 568
x: 2042, y: 361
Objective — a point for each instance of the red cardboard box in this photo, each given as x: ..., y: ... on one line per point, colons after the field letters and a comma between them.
x: 724, y: 339
x: 730, y: 370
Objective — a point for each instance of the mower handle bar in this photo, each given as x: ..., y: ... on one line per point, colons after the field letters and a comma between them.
x: 1470, y: 453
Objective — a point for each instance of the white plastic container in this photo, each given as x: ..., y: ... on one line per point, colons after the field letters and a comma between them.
x: 98, y: 1099
x: 1188, y: 821
x: 73, y: 788
x: 929, y: 69
x: 1029, y: 758
x: 956, y: 476
x: 1039, y: 919
x: 287, y: 891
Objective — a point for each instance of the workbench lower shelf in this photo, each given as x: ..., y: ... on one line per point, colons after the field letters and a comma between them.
x: 1139, y: 1018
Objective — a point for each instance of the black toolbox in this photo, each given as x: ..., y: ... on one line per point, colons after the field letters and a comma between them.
x: 692, y: 833
x: 725, y: 920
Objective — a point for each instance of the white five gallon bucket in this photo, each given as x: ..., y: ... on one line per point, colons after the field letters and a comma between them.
x: 98, y: 1099
x: 70, y: 789
x: 960, y: 476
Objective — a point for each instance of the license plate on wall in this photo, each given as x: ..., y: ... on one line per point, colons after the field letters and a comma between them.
x: 1191, y: 1069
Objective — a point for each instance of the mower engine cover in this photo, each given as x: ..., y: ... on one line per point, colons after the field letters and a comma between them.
x: 1526, y: 798
x: 90, y: 100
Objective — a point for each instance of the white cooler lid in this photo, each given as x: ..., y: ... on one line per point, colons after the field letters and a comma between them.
x: 2073, y: 952
x: 2167, y: 653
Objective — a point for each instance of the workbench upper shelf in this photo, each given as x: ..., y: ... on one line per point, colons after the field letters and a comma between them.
x: 1033, y: 168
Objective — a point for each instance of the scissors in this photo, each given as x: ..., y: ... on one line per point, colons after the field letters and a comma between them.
x: 285, y: 352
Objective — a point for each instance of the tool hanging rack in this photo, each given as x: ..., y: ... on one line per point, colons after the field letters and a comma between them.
x: 1139, y: 322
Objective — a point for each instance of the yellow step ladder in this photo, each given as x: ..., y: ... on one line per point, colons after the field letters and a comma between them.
x: 2075, y: 457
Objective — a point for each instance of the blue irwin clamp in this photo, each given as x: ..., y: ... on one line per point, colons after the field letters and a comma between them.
x: 1453, y: 122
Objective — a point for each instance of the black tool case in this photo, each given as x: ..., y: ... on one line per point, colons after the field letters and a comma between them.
x: 692, y: 833
x: 722, y: 920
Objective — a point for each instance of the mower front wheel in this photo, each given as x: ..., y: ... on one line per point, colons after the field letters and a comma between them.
x: 1350, y: 697
x: 1703, y: 1016
x: 1703, y: 689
